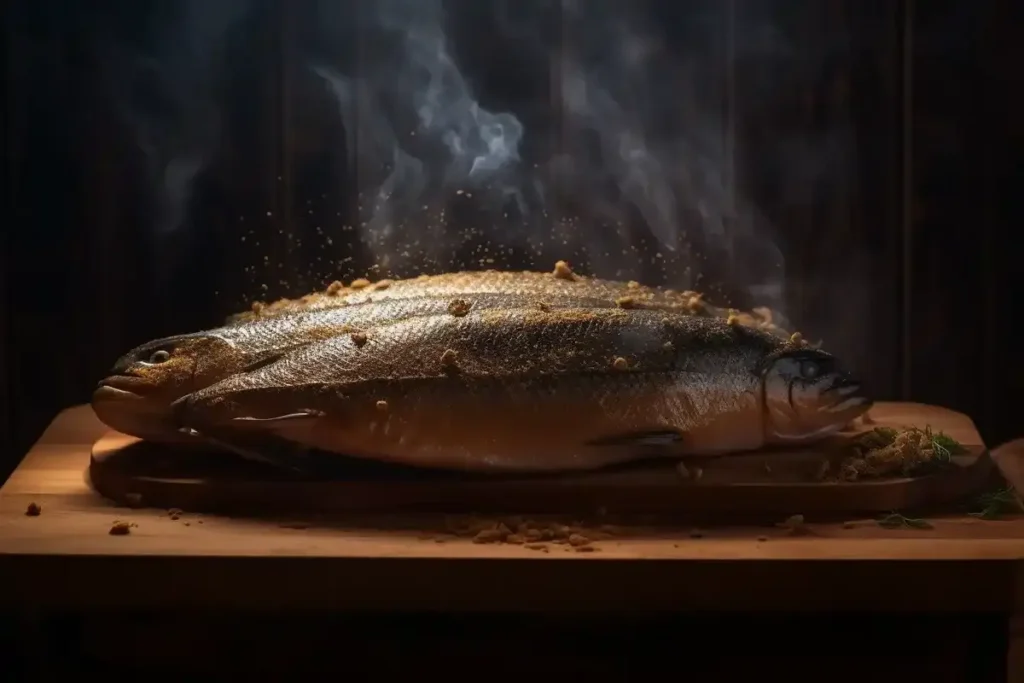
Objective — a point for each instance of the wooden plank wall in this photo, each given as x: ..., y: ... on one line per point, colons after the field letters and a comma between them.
x: 899, y: 260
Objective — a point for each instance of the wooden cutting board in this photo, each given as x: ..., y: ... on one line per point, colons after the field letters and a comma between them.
x: 781, y: 482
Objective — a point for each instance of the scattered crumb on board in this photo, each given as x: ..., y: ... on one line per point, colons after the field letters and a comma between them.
x: 33, y: 510
x: 531, y: 534
x: 119, y: 528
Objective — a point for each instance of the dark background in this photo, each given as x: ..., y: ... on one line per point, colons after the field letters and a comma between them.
x: 905, y: 265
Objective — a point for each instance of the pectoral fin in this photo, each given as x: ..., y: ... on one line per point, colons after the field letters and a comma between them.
x: 284, y: 456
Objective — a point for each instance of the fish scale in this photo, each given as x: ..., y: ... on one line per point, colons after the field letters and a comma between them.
x: 526, y: 390
x: 525, y: 284
x: 487, y: 371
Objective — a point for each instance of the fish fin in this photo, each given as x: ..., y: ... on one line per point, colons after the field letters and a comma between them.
x: 651, y: 439
x: 288, y: 459
x: 270, y: 421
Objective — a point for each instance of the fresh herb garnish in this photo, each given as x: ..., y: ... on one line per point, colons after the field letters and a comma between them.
x: 895, y: 520
x: 885, y: 451
x: 995, y: 504
x: 946, y: 446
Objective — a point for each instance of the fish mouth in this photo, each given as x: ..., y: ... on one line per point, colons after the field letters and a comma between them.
x: 848, y: 399
x: 106, y: 392
x: 119, y: 406
x: 118, y: 386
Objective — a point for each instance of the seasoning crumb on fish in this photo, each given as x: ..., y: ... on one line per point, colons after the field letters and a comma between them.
x: 360, y: 283
x: 382, y: 406
x: 796, y: 338
x: 544, y: 306
x: 733, y: 319
x: 620, y: 363
x: 257, y: 307
x: 449, y: 358
x: 695, y: 304
x: 633, y: 284
x: 382, y: 284
x: 626, y: 302
x: 335, y: 288
x: 33, y: 510
x: 459, y: 307
x: 563, y: 271
x: 668, y: 346
x: 359, y: 339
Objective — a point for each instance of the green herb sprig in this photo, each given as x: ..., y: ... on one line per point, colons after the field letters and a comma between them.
x: 895, y: 520
x: 995, y: 504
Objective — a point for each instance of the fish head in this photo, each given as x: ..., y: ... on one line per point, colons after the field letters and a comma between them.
x: 809, y: 396
x: 135, y: 397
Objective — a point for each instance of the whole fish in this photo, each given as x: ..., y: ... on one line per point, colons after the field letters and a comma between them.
x: 135, y: 398
x: 519, y: 390
x: 562, y: 281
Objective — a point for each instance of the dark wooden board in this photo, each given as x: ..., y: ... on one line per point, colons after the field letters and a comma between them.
x: 132, y: 472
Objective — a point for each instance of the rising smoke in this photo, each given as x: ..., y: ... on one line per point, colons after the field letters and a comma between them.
x: 641, y: 139
x: 630, y: 168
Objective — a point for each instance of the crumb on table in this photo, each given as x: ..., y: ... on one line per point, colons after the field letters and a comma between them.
x: 120, y: 528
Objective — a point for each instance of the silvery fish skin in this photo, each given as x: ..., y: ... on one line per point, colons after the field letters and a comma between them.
x: 532, y: 391
x: 561, y: 282
x: 135, y: 398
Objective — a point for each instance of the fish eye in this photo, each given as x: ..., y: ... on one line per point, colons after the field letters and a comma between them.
x: 810, y: 369
x: 159, y: 356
